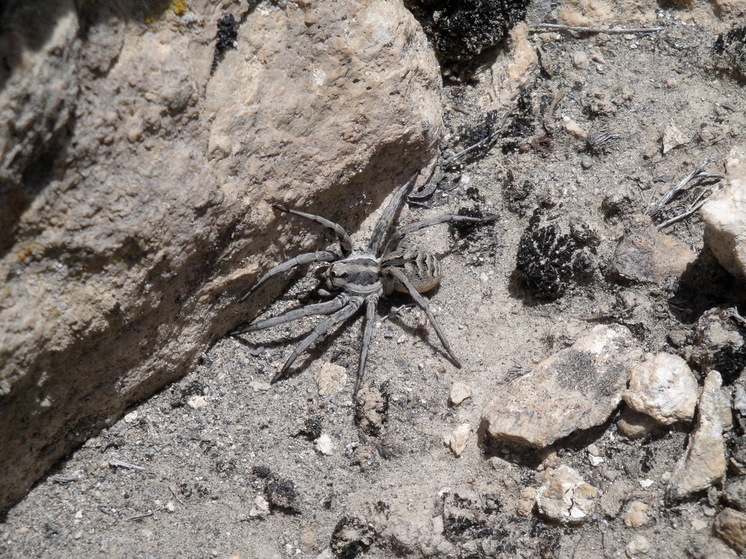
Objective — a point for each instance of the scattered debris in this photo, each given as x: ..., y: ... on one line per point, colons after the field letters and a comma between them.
x: 115, y: 463
x: 351, y: 537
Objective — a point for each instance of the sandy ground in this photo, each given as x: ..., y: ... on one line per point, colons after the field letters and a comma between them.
x: 221, y: 464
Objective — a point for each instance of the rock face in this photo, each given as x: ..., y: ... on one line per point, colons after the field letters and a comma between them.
x: 703, y: 463
x: 723, y: 214
x: 574, y: 389
x: 136, y: 176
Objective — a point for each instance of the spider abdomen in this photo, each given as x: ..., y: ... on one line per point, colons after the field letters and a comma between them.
x: 421, y: 267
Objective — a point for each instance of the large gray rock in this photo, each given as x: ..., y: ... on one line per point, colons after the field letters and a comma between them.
x: 135, y: 185
x: 574, y: 389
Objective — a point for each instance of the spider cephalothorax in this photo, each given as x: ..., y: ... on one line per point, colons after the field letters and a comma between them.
x: 363, y: 276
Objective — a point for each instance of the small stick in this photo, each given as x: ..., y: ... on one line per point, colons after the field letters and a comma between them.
x: 698, y: 172
x: 683, y: 215
x: 139, y: 516
x: 546, y: 121
x: 176, y: 496
x: 114, y: 463
x: 594, y: 30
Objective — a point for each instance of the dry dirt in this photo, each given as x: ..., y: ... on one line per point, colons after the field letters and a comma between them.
x: 220, y: 464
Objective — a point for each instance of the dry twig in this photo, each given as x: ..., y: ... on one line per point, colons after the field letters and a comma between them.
x: 594, y: 30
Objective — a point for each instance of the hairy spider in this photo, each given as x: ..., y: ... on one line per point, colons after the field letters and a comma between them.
x: 363, y: 276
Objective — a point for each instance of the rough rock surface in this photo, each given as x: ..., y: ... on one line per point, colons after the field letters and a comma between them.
x: 703, y: 463
x: 663, y: 387
x: 565, y: 497
x: 646, y: 255
x: 574, y: 389
x: 135, y: 184
x: 723, y: 214
x: 731, y: 526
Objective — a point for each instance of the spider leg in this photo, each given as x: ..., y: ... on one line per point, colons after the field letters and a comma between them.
x: 321, y: 328
x: 327, y: 307
x: 422, y: 303
x: 305, y: 258
x: 371, y: 302
x: 381, y: 230
x: 447, y: 218
x: 344, y: 239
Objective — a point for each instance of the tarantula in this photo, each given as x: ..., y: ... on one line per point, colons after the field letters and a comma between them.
x: 362, y: 276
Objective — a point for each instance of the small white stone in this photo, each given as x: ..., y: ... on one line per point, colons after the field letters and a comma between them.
x: 260, y: 508
x: 131, y: 417
x: 698, y: 524
x: 574, y: 129
x: 259, y: 386
x: 646, y: 483
x: 457, y: 440
x: 197, y: 402
x: 170, y: 507
x: 459, y: 392
x: 324, y: 445
x: 580, y: 60
x: 638, y: 545
x: 636, y: 515
x: 330, y: 379
x: 565, y: 497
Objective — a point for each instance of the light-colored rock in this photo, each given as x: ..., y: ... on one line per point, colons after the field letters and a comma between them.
x: 638, y: 545
x: 324, y: 445
x: 196, y: 402
x: 673, y: 137
x: 565, y: 497
x: 580, y: 60
x: 260, y: 508
x: 330, y: 379
x: 663, y: 387
x: 636, y: 514
x: 459, y: 392
x: 646, y: 255
x: 703, y: 463
x: 723, y: 215
x: 457, y: 439
x: 730, y: 525
x: 573, y: 128
x: 574, y: 389
x: 126, y: 238
x: 735, y: 493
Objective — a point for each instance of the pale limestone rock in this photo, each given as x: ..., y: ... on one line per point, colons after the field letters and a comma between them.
x: 574, y: 389
x: 457, y: 439
x: 459, y: 392
x: 565, y: 497
x: 324, y: 445
x: 730, y: 525
x: 636, y: 514
x: 673, y: 137
x: 724, y: 216
x: 703, y: 463
x: 663, y: 387
x: 126, y: 238
x: 638, y: 545
x: 330, y: 379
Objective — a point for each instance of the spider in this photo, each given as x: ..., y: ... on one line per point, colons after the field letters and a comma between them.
x: 362, y: 276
